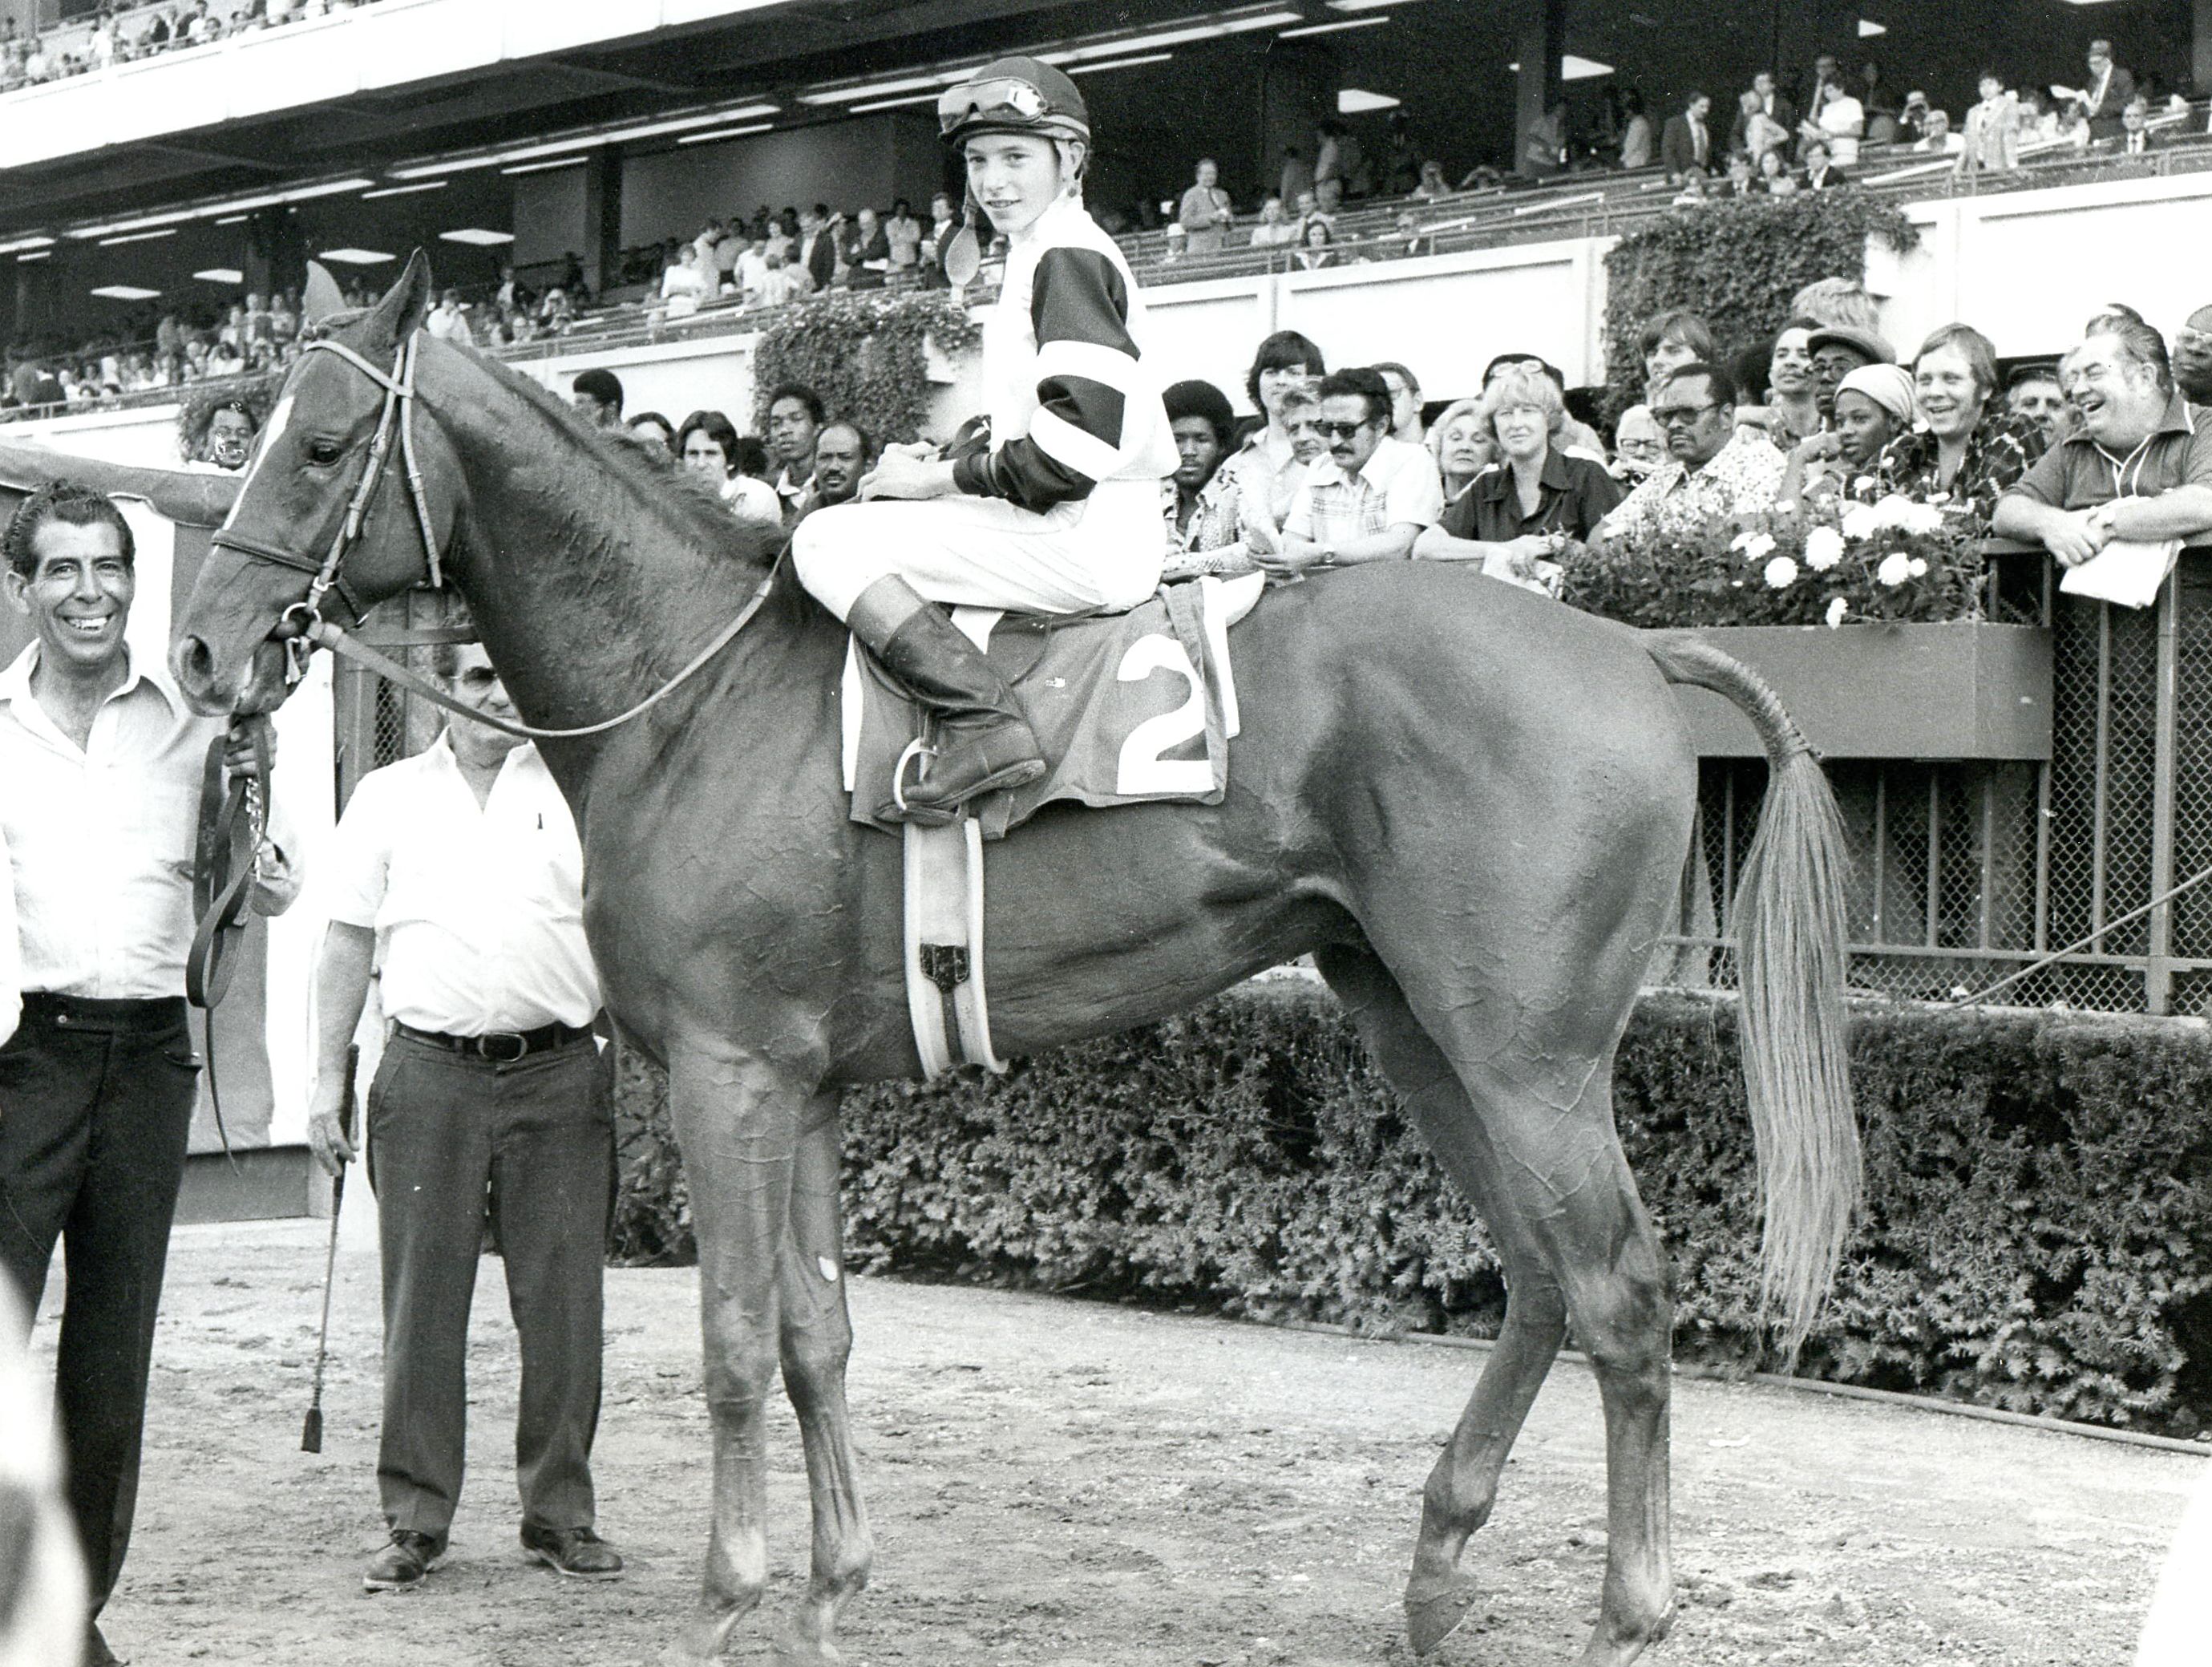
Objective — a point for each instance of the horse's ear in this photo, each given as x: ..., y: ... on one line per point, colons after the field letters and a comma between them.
x: 406, y: 304
x: 322, y: 298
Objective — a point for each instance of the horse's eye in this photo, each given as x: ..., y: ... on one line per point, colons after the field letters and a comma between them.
x: 323, y: 452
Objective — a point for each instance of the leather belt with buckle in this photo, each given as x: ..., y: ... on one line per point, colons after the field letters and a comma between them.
x: 499, y: 1047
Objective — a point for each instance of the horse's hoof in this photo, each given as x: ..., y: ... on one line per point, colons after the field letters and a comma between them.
x: 1433, y: 1614
x: 797, y: 1646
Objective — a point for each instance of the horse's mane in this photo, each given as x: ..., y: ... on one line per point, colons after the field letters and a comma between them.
x: 625, y: 481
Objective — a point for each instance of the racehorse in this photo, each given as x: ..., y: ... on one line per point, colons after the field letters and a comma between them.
x: 1471, y: 804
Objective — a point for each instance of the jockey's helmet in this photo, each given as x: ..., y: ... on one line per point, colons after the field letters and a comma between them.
x: 1013, y: 95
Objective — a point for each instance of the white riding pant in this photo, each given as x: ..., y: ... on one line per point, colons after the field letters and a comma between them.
x: 1101, y: 552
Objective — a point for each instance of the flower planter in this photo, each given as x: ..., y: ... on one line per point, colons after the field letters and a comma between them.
x: 1966, y: 690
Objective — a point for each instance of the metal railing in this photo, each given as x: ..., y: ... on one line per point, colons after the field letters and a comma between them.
x: 1966, y: 871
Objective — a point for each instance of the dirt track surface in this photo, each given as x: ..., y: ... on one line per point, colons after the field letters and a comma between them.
x: 1068, y: 1485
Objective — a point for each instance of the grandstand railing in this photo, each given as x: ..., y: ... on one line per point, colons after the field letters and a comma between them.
x: 1966, y: 871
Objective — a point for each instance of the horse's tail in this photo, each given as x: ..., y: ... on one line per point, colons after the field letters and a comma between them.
x: 1791, y: 968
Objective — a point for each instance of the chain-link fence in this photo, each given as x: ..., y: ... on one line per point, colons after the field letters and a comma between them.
x: 378, y: 723
x: 1965, y: 872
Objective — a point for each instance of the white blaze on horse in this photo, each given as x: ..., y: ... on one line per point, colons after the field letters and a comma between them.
x: 1471, y: 804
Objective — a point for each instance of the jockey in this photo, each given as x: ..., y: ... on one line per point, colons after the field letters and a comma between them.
x: 1061, y: 514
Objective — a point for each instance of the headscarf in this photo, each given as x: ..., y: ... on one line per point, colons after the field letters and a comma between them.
x: 1889, y: 386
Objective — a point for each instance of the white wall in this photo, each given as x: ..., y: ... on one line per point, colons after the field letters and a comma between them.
x: 2027, y: 268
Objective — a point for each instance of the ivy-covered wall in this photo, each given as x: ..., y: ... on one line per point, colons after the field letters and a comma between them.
x: 2037, y: 1233
x: 1736, y: 263
x: 865, y: 352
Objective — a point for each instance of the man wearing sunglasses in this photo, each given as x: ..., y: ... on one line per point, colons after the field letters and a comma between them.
x: 1714, y: 473
x: 1370, y: 498
x: 1060, y: 513
x: 457, y: 874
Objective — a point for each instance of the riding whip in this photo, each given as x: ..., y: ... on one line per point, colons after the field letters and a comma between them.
x: 311, y: 1431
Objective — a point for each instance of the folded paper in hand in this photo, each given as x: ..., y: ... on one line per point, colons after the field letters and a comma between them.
x: 2127, y: 571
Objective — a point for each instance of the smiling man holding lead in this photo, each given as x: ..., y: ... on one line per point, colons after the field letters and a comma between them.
x: 101, y: 762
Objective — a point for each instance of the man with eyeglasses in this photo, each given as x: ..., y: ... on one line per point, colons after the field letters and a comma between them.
x: 101, y: 763
x: 457, y: 875
x: 1714, y: 473
x: 2140, y: 469
x: 1370, y: 499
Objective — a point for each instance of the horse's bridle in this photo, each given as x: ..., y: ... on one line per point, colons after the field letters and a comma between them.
x: 395, y: 418
x: 302, y: 625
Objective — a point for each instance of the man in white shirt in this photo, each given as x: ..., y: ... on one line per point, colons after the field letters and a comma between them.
x: 459, y: 870
x: 101, y: 762
x: 1373, y: 495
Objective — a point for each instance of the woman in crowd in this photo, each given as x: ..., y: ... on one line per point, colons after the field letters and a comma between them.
x: 1874, y: 405
x: 1969, y: 448
x: 654, y: 430
x: 1433, y: 186
x: 1775, y: 178
x: 1639, y: 445
x: 1200, y: 504
x: 1267, y: 471
x: 1314, y: 250
x: 1674, y: 339
x: 1523, y: 512
x: 215, y: 431
x: 1636, y: 136
x: 707, y: 443
x: 1461, y: 448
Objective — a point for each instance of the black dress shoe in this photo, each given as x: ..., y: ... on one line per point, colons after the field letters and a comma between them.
x: 402, y: 1564
x: 575, y: 1551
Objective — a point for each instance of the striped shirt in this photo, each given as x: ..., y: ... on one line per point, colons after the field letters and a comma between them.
x: 1074, y: 398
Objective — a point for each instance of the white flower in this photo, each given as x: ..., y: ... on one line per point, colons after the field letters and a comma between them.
x: 1781, y: 572
x: 1824, y: 548
x: 1900, y: 513
x: 1896, y: 567
x: 1837, y: 609
x: 1917, y: 568
x: 1860, y: 521
x: 1741, y: 539
x: 1759, y: 544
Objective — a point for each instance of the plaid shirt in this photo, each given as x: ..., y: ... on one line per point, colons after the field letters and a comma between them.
x: 1397, y: 484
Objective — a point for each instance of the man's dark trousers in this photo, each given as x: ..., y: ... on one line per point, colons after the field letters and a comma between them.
x: 96, y: 1104
x: 450, y: 1134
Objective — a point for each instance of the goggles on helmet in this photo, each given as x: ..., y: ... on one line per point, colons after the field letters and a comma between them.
x: 1002, y: 99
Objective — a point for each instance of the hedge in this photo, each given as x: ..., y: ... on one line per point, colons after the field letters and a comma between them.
x: 2037, y: 1233
x: 1736, y: 263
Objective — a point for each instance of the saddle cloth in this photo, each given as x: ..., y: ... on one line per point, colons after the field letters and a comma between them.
x: 1129, y: 707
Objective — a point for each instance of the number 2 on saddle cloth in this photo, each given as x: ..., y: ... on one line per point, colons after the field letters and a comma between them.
x: 231, y: 820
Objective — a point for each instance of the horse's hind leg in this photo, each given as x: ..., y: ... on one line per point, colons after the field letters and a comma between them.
x: 1540, y: 1155
x: 815, y: 1333
x: 1462, y: 1488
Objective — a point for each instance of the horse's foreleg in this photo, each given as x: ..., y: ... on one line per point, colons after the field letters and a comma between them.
x: 737, y: 1121
x: 1462, y: 1488
x: 816, y: 1336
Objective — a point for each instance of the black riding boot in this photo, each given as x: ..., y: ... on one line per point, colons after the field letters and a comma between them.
x: 984, y: 745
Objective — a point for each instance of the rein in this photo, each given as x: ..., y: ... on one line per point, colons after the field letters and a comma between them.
x: 232, y: 821
x: 324, y: 635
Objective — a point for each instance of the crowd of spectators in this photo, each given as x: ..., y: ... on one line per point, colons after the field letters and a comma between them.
x: 121, y: 35
x: 1338, y: 466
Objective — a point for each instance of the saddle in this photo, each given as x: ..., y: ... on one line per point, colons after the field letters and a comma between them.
x: 1129, y: 708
